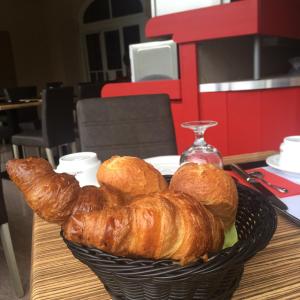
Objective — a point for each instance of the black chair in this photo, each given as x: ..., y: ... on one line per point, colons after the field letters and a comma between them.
x: 57, y: 124
x: 26, y: 115
x: 54, y: 85
x: 17, y: 93
x: 133, y: 125
x: 89, y: 90
x: 7, y: 126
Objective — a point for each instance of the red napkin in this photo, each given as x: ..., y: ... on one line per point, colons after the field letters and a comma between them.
x: 293, y: 188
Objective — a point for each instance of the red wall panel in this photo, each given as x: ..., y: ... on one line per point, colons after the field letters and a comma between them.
x: 213, y: 106
x: 280, y: 116
x: 244, y: 122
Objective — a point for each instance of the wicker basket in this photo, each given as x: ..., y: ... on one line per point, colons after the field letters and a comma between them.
x: 134, y: 279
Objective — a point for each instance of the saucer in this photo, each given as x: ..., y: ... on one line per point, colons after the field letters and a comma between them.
x: 273, y: 161
x: 166, y: 165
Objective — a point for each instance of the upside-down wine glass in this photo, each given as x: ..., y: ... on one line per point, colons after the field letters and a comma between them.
x: 201, y: 152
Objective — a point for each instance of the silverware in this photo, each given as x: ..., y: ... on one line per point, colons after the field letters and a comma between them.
x: 260, y: 176
x: 258, y: 186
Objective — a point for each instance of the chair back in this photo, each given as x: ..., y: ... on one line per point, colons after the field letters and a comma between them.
x: 133, y: 125
x: 8, y: 126
x: 17, y: 93
x: 54, y: 84
x: 57, y: 116
x: 26, y: 115
x: 89, y: 90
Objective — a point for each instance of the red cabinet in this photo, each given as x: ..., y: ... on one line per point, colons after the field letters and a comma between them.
x: 249, y: 121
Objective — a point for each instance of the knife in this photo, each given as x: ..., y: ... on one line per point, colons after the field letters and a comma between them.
x: 258, y: 186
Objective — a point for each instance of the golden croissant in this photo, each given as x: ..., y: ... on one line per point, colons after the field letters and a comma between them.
x: 54, y: 197
x: 157, y: 226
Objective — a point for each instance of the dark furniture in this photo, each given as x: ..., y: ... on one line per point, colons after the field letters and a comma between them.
x: 7, y: 125
x: 89, y: 90
x: 57, y: 124
x: 136, y: 125
x: 25, y: 117
x: 54, y: 85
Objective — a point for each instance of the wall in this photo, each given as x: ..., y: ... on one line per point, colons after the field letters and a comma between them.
x: 25, y: 23
x: 45, y: 36
x: 8, y: 73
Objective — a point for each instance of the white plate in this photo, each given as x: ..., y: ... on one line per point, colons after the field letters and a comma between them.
x: 273, y: 161
x: 166, y: 165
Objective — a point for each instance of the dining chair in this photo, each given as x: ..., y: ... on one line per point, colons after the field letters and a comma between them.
x: 7, y: 126
x: 57, y: 124
x: 28, y: 116
x: 8, y: 247
x: 89, y: 90
x: 140, y: 125
x: 54, y: 84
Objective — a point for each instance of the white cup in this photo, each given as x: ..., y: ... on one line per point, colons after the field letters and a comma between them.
x: 290, y: 153
x: 83, y: 165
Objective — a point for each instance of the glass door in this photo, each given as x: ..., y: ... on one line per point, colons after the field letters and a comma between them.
x: 108, y: 52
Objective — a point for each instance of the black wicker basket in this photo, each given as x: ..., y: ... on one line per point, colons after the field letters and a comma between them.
x: 134, y: 279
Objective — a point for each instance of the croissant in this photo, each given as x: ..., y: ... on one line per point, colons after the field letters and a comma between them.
x: 159, y: 225
x: 92, y: 198
x: 130, y: 176
x: 55, y: 197
x: 52, y: 196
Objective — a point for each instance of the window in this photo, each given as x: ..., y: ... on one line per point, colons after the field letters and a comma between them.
x: 108, y: 28
x: 100, y: 10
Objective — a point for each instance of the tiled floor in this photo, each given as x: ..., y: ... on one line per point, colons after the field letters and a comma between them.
x: 20, y: 224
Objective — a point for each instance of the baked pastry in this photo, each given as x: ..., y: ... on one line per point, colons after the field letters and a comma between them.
x: 52, y: 196
x: 131, y: 176
x: 209, y: 185
x: 91, y: 198
x: 159, y: 225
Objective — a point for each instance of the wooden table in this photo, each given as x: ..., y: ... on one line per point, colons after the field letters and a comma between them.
x: 272, y: 274
x: 20, y: 104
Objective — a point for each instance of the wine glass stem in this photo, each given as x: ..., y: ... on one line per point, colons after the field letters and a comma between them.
x: 199, y: 138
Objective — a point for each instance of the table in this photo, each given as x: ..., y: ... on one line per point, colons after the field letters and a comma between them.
x: 272, y: 274
x: 20, y: 104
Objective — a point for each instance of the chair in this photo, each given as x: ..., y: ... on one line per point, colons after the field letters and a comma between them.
x: 57, y: 124
x: 89, y: 90
x: 8, y: 247
x: 26, y: 115
x: 54, y: 85
x: 133, y: 125
x: 7, y: 127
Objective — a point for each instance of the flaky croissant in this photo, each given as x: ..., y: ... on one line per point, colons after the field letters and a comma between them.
x: 54, y: 197
x: 159, y: 225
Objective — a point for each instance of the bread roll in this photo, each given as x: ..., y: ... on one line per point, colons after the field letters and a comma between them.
x: 211, y: 186
x: 156, y: 226
x: 131, y: 176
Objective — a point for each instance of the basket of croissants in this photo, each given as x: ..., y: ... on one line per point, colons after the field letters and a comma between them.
x: 147, y: 237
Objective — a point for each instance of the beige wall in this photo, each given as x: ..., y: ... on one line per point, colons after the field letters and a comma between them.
x: 25, y: 23
x: 45, y: 38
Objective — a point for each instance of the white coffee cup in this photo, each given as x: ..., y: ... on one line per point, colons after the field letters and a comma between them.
x: 83, y: 165
x: 289, y: 158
